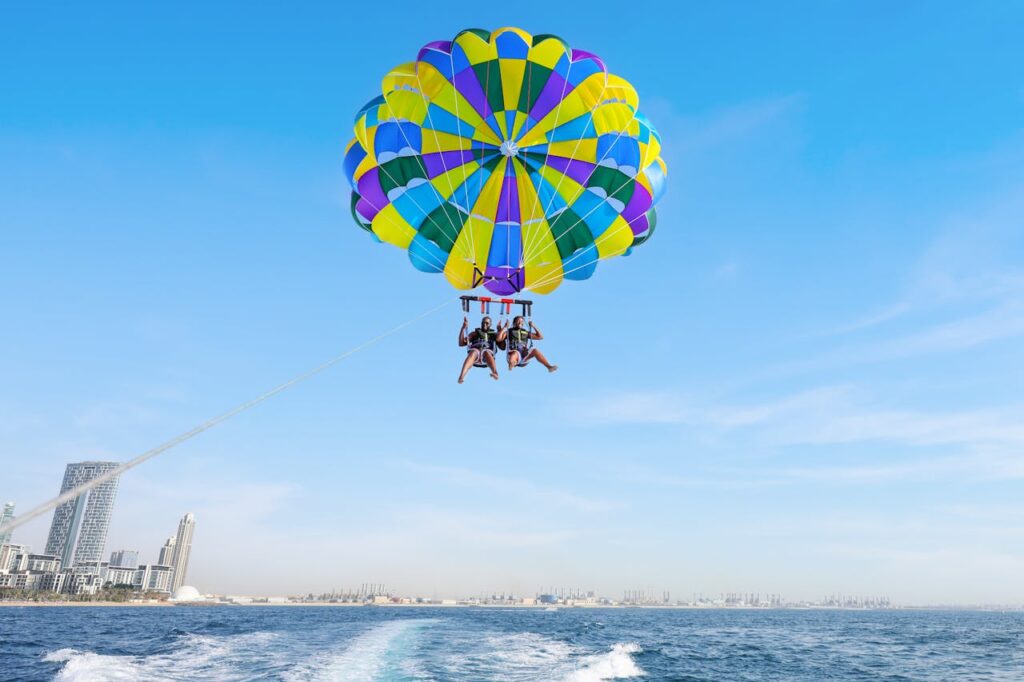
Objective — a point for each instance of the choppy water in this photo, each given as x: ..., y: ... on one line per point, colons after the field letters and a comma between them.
x: 402, y: 644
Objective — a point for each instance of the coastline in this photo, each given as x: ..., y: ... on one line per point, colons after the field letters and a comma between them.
x: 82, y: 603
x: 540, y: 607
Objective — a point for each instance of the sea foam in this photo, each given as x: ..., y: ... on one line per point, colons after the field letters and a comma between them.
x: 194, y: 657
x: 378, y: 653
x: 86, y: 666
x: 615, y: 664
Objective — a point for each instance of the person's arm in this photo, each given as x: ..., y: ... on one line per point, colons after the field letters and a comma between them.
x: 502, y: 334
x: 535, y: 333
x: 462, y: 332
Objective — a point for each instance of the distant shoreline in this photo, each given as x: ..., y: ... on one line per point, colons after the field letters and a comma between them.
x: 82, y: 603
x: 326, y: 604
x: 541, y: 607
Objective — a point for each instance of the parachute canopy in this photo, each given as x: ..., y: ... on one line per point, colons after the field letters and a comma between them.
x: 505, y: 160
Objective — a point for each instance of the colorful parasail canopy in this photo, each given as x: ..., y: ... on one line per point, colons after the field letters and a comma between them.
x: 505, y: 160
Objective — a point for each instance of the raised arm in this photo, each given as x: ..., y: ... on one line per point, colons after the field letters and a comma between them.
x: 462, y: 332
x: 502, y: 334
x: 535, y: 333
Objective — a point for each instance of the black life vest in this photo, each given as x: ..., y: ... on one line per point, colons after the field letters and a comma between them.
x: 484, y: 338
x: 518, y: 338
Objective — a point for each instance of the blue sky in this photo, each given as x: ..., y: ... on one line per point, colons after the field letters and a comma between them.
x: 809, y: 381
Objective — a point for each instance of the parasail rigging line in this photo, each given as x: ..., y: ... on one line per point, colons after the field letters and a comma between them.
x: 210, y: 423
x: 443, y: 201
x: 566, y: 262
x: 586, y: 183
x: 547, y: 156
x: 528, y: 253
x: 444, y: 165
x: 437, y: 261
x: 563, y: 273
x: 572, y: 155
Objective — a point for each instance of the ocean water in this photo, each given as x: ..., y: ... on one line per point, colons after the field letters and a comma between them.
x: 363, y: 644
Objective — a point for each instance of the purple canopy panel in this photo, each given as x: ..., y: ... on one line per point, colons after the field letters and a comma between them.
x: 553, y: 93
x: 638, y: 205
x: 370, y: 190
x: 437, y: 45
x: 507, y: 280
x: 580, y: 171
x: 438, y: 163
x: 508, y: 201
x: 580, y: 55
x: 640, y: 224
x: 467, y: 84
x: 366, y: 209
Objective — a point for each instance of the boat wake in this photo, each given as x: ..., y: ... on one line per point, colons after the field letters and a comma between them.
x: 616, y: 664
x: 405, y: 650
x: 193, y: 656
x: 384, y: 652
x: 531, y: 657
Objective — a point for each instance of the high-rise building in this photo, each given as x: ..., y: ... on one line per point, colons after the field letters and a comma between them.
x: 124, y: 558
x: 79, y: 528
x: 121, y: 576
x: 182, y: 549
x: 167, y: 553
x: 153, y: 577
x: 9, y: 554
x: 5, y: 516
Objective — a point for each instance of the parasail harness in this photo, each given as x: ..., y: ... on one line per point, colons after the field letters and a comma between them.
x: 519, y: 341
x: 523, y: 345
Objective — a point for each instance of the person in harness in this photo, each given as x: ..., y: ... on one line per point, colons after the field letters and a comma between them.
x: 519, y: 340
x: 482, y: 343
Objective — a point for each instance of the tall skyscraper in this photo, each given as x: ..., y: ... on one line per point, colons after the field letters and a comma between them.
x: 5, y: 516
x: 79, y: 528
x: 182, y: 549
x: 124, y: 558
x: 167, y: 553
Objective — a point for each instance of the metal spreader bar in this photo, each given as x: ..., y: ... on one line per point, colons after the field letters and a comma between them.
x: 504, y: 303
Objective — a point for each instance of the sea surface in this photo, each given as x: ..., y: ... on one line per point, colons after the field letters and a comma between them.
x: 570, y: 645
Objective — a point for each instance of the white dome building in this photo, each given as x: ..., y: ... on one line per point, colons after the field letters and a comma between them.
x: 187, y: 593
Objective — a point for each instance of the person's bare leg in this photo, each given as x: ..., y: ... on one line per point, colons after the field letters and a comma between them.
x: 471, y: 357
x: 513, y: 359
x: 536, y: 353
x: 489, y: 359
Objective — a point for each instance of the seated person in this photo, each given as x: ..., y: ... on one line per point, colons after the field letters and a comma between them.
x: 518, y: 337
x: 482, y: 342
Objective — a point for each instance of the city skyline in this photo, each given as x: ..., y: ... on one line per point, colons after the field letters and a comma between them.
x: 169, y: 573
x: 72, y: 564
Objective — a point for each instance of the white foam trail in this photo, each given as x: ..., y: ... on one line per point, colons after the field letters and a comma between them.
x: 616, y: 664
x: 198, y: 657
x: 368, y: 657
x: 517, y: 656
x: 85, y: 666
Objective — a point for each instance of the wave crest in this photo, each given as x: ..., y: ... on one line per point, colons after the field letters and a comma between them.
x: 615, y: 664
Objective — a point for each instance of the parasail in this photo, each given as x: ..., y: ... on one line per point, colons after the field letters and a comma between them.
x: 505, y: 160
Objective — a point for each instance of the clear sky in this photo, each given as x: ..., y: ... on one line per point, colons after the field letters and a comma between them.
x: 809, y: 381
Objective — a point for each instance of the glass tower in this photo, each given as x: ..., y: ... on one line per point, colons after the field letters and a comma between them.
x: 182, y: 549
x: 5, y: 516
x: 79, y: 528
